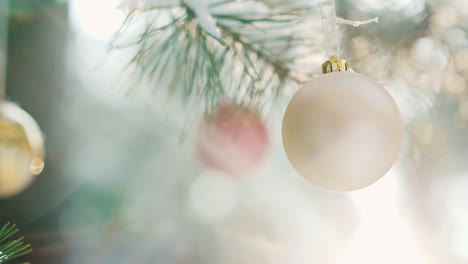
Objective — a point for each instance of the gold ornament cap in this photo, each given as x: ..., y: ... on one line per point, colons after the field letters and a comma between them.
x: 335, y: 64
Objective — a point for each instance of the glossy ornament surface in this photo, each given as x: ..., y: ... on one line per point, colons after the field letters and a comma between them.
x: 21, y: 149
x: 342, y: 131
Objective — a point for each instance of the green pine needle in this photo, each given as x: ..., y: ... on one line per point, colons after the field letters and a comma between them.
x: 256, y: 59
x: 11, y: 249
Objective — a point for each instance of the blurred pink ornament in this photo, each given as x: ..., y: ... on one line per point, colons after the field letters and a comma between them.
x: 233, y: 140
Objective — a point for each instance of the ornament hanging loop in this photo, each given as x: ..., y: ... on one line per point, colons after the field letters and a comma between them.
x: 330, y: 26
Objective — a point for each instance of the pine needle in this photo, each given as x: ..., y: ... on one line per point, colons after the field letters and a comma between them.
x: 253, y: 61
x: 11, y: 249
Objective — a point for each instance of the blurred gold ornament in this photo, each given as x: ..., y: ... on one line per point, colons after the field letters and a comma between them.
x: 21, y: 149
x: 342, y: 131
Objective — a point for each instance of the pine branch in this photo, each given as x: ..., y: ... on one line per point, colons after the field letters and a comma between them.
x: 251, y: 60
x: 11, y: 249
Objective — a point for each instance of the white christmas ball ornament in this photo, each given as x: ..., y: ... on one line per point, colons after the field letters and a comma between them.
x: 342, y: 131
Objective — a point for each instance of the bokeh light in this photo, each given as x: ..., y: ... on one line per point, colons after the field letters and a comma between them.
x: 213, y: 196
x: 96, y: 19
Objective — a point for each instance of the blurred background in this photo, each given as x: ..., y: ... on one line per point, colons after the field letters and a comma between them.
x: 123, y: 181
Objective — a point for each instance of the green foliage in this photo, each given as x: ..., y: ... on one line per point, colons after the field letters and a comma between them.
x: 11, y: 249
x: 258, y: 55
x: 23, y: 7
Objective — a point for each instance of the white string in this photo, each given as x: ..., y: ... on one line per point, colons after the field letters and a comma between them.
x: 331, y: 36
x: 354, y: 22
x: 329, y: 30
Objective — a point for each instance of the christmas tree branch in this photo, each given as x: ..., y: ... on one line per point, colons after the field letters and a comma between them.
x: 217, y: 54
x: 277, y: 64
x: 11, y: 249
